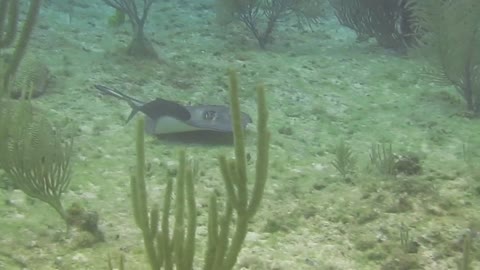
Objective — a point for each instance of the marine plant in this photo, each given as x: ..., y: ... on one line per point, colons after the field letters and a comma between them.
x: 121, y: 263
x: 137, y: 12
x: 450, y: 38
x: 172, y: 244
x: 35, y: 157
x: 388, y: 21
x: 465, y: 262
x: 344, y: 160
x: 9, y: 24
x: 255, y: 14
x: 383, y: 159
x: 407, y: 243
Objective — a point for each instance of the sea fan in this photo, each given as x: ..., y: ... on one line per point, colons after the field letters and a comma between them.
x: 31, y: 79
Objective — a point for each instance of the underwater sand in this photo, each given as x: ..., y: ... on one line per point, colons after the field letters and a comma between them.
x: 322, y: 86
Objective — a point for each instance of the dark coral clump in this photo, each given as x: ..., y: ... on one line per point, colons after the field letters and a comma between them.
x: 408, y: 164
x: 86, y: 221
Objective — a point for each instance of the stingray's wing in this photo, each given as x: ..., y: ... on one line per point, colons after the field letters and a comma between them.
x: 159, y: 107
x: 214, y: 117
x: 167, y: 125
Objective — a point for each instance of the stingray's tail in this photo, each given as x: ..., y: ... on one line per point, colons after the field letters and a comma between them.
x: 112, y: 92
x: 134, y: 103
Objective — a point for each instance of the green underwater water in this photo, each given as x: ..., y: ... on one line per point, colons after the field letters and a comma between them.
x: 322, y: 88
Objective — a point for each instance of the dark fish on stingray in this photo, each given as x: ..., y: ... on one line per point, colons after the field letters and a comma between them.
x: 167, y: 117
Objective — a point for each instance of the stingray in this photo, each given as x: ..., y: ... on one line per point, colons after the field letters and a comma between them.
x: 168, y: 117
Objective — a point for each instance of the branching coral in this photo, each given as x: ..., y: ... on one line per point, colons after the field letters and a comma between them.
x: 140, y: 46
x: 388, y: 21
x: 254, y: 13
x: 34, y: 155
x: 167, y: 247
x: 9, y: 23
x: 450, y: 35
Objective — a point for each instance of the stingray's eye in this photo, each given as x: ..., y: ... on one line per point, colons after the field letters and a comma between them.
x: 209, y: 115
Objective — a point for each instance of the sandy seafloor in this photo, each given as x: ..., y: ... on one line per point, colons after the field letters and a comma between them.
x: 322, y: 86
